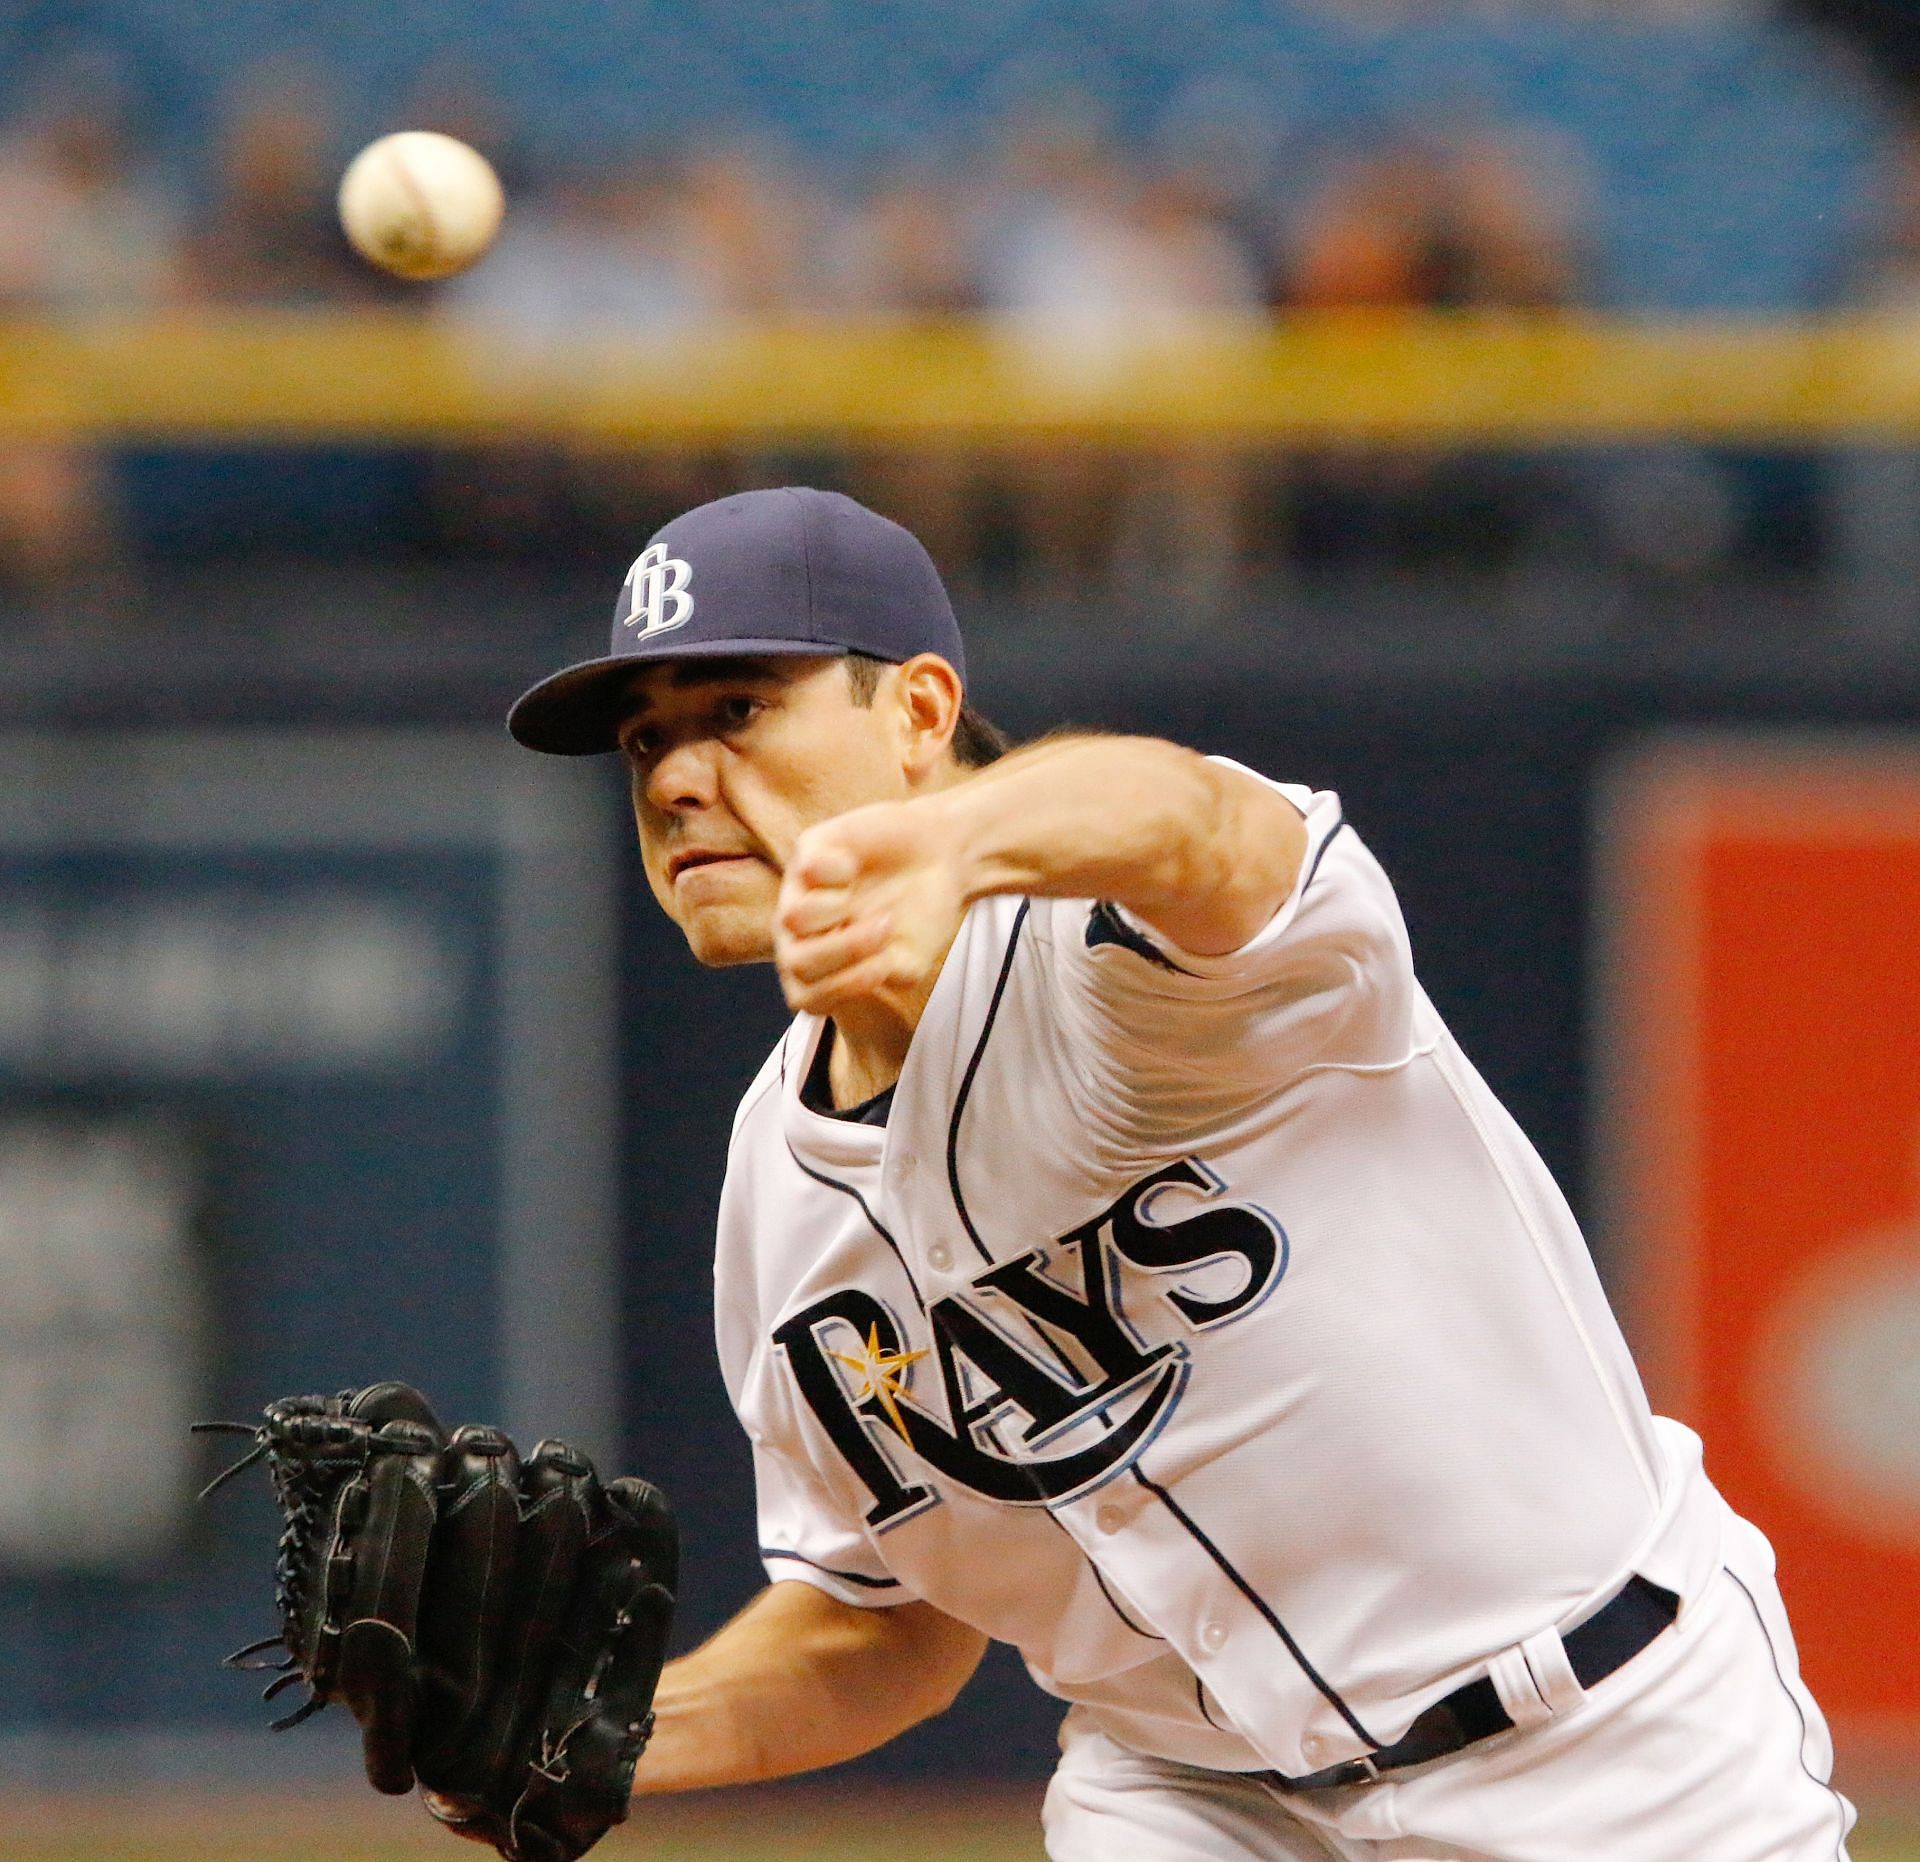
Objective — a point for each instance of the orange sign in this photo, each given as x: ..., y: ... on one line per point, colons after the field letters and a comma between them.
x: 1761, y: 999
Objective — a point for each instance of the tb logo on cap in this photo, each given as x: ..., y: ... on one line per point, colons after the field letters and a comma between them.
x: 656, y: 592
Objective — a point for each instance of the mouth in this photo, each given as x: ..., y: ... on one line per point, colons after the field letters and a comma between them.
x: 689, y: 858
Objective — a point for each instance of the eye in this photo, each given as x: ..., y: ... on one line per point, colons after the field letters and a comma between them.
x: 639, y: 745
x: 739, y: 708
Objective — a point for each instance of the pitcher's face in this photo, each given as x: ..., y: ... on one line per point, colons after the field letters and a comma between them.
x: 731, y: 761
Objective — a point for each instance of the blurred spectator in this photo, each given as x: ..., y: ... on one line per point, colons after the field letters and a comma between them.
x: 1180, y: 525
x: 598, y: 252
x: 452, y: 93
x: 270, y: 234
x: 1491, y: 221
x: 750, y: 226
x: 1367, y: 239
x: 1053, y: 265
x: 1885, y: 273
x: 85, y: 225
x: 1093, y: 272
x: 1518, y: 239
x: 644, y: 250
x: 58, y: 518
x: 87, y: 229
x: 1482, y: 222
x: 907, y: 252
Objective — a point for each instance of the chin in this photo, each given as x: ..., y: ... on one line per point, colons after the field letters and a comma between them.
x: 721, y: 939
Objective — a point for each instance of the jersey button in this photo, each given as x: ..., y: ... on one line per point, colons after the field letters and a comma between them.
x: 1109, y: 1519
x: 940, y: 1256
x: 1314, y: 1748
x: 1214, y: 1635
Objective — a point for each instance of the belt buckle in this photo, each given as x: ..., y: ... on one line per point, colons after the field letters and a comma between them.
x: 1332, y: 1778
x: 1348, y: 1772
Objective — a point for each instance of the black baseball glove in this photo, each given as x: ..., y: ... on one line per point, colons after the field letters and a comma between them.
x: 496, y: 1626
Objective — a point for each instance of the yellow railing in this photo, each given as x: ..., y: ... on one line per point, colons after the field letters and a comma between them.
x: 1410, y: 379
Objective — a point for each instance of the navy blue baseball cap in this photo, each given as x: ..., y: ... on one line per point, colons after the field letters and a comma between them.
x: 787, y: 571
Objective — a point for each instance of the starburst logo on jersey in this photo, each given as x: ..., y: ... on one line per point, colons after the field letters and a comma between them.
x: 1045, y: 1386
x: 880, y: 1373
x: 655, y: 593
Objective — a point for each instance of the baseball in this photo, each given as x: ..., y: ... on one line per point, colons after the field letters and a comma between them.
x: 420, y: 204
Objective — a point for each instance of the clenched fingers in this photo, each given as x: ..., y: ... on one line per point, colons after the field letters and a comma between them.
x: 838, y: 965
x: 818, y: 861
x: 806, y: 911
x: 857, y: 983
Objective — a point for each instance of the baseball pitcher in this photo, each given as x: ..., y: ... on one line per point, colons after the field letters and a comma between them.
x: 1119, y: 1258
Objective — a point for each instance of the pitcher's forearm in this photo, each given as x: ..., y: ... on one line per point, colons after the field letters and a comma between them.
x: 799, y: 1680
x: 1202, y: 852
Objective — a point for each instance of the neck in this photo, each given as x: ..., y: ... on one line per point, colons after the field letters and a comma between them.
x: 870, y: 1042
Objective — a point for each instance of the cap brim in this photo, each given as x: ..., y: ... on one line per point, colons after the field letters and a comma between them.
x: 577, y: 710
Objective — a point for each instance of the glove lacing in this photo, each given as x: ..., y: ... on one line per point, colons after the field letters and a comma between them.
x: 303, y: 1486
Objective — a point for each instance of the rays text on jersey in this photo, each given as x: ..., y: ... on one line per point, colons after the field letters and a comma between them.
x: 1046, y: 1384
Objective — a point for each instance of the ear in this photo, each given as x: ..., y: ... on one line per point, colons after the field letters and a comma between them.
x: 927, y: 693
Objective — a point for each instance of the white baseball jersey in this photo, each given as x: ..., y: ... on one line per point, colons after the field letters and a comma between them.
x: 1202, y: 1326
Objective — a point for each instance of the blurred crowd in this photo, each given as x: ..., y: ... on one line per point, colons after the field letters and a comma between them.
x: 1056, y: 229
x: 1075, y: 247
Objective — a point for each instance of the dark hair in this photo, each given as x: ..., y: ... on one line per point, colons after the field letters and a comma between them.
x: 977, y: 740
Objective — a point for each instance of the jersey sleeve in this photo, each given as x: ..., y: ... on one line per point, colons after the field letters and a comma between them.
x: 1326, y: 982
x: 805, y: 1535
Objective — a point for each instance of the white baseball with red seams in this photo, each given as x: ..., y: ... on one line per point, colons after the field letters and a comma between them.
x: 419, y: 204
x: 1205, y: 1328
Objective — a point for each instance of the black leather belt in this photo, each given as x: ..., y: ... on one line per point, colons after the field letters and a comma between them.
x: 1610, y: 1638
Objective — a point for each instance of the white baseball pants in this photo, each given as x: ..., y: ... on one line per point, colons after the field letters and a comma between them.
x: 1705, y: 1747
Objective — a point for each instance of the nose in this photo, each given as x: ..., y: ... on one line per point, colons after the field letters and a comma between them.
x: 684, y: 777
